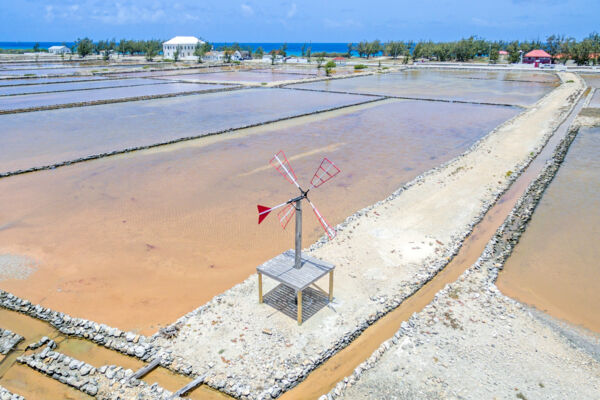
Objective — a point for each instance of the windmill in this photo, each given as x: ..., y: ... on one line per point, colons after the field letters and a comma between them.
x: 303, y: 271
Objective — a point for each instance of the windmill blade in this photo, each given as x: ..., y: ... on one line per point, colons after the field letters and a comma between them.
x: 326, y: 170
x: 286, y: 214
x: 328, y: 229
x: 263, y: 211
x: 282, y: 165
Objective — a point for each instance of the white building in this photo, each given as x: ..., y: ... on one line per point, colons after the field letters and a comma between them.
x: 59, y: 50
x: 185, y: 44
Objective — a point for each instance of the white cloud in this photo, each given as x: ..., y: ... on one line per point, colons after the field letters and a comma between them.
x: 247, y: 11
x: 346, y: 23
x: 292, y: 11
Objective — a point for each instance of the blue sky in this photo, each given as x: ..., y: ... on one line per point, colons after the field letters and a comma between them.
x: 296, y: 21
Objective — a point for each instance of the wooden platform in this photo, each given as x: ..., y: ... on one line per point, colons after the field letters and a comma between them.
x: 281, y: 268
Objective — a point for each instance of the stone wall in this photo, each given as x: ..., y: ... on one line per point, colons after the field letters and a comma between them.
x: 8, y: 340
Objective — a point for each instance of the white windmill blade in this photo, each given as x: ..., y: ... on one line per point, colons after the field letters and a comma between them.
x: 286, y: 171
x: 286, y: 214
x: 328, y: 229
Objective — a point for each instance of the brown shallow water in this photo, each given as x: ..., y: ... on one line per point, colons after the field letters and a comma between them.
x: 48, y: 137
x: 441, y: 85
x: 137, y: 240
x: 25, y: 381
x: 555, y: 266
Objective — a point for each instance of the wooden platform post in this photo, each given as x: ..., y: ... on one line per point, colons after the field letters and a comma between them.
x: 299, y: 307
x: 260, y: 296
x: 331, y: 285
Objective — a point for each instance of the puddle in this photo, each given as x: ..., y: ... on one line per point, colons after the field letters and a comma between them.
x: 555, y: 267
x: 70, y: 86
x: 53, y: 99
x: 442, y: 85
x: 592, y: 80
x: 25, y: 381
x: 342, y: 364
x: 137, y: 240
x: 47, y: 137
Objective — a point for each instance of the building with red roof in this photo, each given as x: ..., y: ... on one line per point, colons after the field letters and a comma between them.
x: 537, y: 57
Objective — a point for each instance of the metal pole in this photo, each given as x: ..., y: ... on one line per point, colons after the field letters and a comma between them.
x: 298, y: 262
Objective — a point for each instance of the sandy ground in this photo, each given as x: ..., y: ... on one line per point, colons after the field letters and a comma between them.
x: 382, y: 255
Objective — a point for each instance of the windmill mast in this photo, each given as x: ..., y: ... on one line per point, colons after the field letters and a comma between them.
x: 298, y: 256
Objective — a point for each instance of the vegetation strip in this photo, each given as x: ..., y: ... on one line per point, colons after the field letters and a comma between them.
x: 137, y: 148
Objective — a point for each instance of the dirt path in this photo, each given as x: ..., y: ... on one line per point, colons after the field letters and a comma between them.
x: 383, y: 254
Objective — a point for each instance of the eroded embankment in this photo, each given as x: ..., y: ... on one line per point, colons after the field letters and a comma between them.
x: 410, y: 237
x: 473, y: 342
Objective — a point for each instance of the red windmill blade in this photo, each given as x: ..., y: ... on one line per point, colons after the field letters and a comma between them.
x: 325, y: 172
x: 282, y: 165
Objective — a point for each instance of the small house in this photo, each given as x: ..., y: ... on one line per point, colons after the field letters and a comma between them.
x: 59, y: 50
x: 537, y: 57
x: 503, y: 56
x: 339, y: 61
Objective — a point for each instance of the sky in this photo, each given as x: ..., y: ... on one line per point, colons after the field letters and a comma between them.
x: 296, y: 21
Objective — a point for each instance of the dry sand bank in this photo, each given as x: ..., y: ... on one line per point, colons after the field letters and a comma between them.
x: 383, y: 254
x: 474, y: 342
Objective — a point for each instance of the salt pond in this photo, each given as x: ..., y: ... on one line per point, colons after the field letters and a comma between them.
x: 137, y: 240
x: 70, y: 86
x: 240, y: 76
x: 47, y: 137
x: 555, y: 265
x: 441, y: 85
x: 34, y: 81
x: 19, y: 102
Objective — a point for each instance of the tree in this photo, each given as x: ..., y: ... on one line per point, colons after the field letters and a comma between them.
x: 349, y: 51
x: 176, y: 54
x: 283, y: 50
x: 494, y: 55
x: 121, y: 47
x: 395, y: 49
x: 273, y: 57
x: 373, y: 48
x: 303, y: 50
x: 320, y: 60
x: 36, y: 47
x: 85, y: 47
x: 259, y: 53
x: 361, y: 49
x: 151, y: 52
x: 514, y: 54
x: 328, y: 67
x: 199, y: 52
x: 308, y: 53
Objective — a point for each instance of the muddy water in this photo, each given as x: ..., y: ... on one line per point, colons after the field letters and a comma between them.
x: 342, y: 364
x: 555, y: 266
x: 442, y: 85
x: 25, y: 381
x: 53, y: 99
x: 240, y: 76
x: 47, y: 137
x: 137, y: 240
x: 70, y: 86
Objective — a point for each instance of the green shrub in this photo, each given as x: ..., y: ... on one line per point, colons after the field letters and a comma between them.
x: 360, y: 66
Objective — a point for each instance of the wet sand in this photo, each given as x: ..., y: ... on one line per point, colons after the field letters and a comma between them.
x: 47, y: 137
x: 53, y: 99
x: 442, y: 85
x: 141, y: 239
x: 555, y: 265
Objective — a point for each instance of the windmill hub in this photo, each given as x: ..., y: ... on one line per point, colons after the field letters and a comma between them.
x: 300, y: 272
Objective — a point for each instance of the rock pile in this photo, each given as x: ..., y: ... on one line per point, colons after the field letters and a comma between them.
x: 8, y: 340
x: 6, y: 395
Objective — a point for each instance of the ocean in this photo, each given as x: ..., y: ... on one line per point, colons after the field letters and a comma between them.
x: 293, y: 49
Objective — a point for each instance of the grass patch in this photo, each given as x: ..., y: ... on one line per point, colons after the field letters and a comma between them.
x: 521, y: 396
x: 264, y: 83
x: 221, y: 351
x: 360, y: 66
x: 570, y: 81
x: 508, y: 174
x: 29, y: 75
x: 541, y: 384
x: 146, y: 66
x: 453, y: 293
